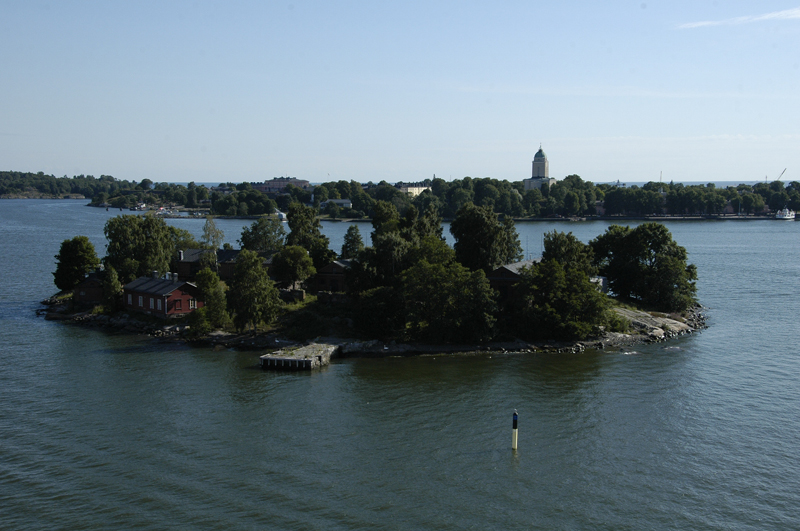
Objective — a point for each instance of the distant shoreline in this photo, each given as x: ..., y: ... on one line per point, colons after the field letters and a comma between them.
x: 659, y: 218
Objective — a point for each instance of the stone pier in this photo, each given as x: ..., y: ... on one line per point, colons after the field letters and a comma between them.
x: 303, y: 358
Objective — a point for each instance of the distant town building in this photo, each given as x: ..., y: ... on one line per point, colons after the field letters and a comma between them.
x: 540, y: 176
x: 412, y: 189
x: 279, y: 184
x: 341, y: 203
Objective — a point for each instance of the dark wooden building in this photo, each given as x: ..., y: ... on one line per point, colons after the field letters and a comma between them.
x: 330, y: 277
x: 90, y: 290
x: 504, y: 278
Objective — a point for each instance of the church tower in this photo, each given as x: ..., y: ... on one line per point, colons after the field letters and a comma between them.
x: 541, y: 168
x: 541, y: 172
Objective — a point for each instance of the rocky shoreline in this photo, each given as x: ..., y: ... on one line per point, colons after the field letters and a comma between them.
x: 644, y: 328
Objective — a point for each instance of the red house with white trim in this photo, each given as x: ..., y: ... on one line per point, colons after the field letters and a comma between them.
x: 163, y: 297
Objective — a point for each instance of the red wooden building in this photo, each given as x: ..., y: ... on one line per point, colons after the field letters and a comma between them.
x: 163, y: 297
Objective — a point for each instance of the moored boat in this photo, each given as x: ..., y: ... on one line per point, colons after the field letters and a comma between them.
x: 785, y: 213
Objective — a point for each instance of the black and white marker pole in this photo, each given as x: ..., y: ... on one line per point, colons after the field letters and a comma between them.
x: 514, y: 431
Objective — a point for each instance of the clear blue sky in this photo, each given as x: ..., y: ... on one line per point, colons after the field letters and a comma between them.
x: 247, y: 91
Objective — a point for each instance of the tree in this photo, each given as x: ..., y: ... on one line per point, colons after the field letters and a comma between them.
x: 265, y: 234
x: 112, y: 290
x: 212, y: 235
x: 215, y: 306
x: 253, y: 296
x: 305, y: 232
x: 569, y: 251
x: 482, y: 241
x: 385, y: 219
x: 138, y: 245
x: 353, y: 244
x: 76, y: 257
x: 181, y: 239
x: 447, y: 303
x: 646, y: 264
x: 292, y: 265
x: 555, y: 302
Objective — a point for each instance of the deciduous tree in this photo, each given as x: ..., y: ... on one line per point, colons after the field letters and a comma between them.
x: 265, y: 234
x: 568, y: 251
x: 646, y: 264
x: 447, y: 303
x: 305, y: 232
x: 557, y: 303
x: 253, y: 296
x: 215, y: 304
x: 482, y: 241
x: 138, y: 245
x: 292, y: 265
x: 76, y: 257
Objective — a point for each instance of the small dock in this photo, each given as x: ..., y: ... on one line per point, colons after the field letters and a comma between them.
x: 303, y: 358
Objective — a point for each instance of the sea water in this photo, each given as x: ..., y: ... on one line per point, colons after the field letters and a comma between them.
x: 103, y: 430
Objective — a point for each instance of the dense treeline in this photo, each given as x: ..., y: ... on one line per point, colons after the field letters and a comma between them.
x: 19, y: 183
x: 679, y: 199
x: 409, y: 284
x: 571, y: 196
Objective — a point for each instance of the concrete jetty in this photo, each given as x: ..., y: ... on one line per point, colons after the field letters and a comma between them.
x: 303, y: 358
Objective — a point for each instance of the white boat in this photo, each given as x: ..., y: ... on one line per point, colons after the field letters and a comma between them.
x: 785, y: 213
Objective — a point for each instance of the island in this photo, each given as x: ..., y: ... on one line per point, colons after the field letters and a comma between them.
x: 407, y: 292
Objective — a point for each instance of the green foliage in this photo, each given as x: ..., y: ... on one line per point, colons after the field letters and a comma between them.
x: 199, y: 323
x: 138, y: 245
x: 353, y: 244
x: 385, y: 219
x: 76, y: 257
x: 253, y: 296
x: 212, y: 235
x: 305, y: 232
x: 646, y: 264
x: 557, y: 303
x: 379, y: 313
x: 214, y: 299
x: 181, y: 239
x: 292, y: 265
x: 616, y: 322
x: 447, y: 303
x: 482, y: 241
x: 265, y: 234
x: 38, y: 184
x: 241, y: 203
x: 112, y: 290
x: 568, y: 251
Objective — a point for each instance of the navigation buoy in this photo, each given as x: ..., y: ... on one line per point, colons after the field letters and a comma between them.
x: 514, y: 431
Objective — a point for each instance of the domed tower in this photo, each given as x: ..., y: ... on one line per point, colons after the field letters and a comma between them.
x: 541, y: 168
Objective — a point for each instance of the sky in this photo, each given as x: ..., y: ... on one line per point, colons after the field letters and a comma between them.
x: 181, y: 91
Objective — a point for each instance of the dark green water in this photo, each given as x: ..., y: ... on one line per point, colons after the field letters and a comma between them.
x: 102, y: 431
